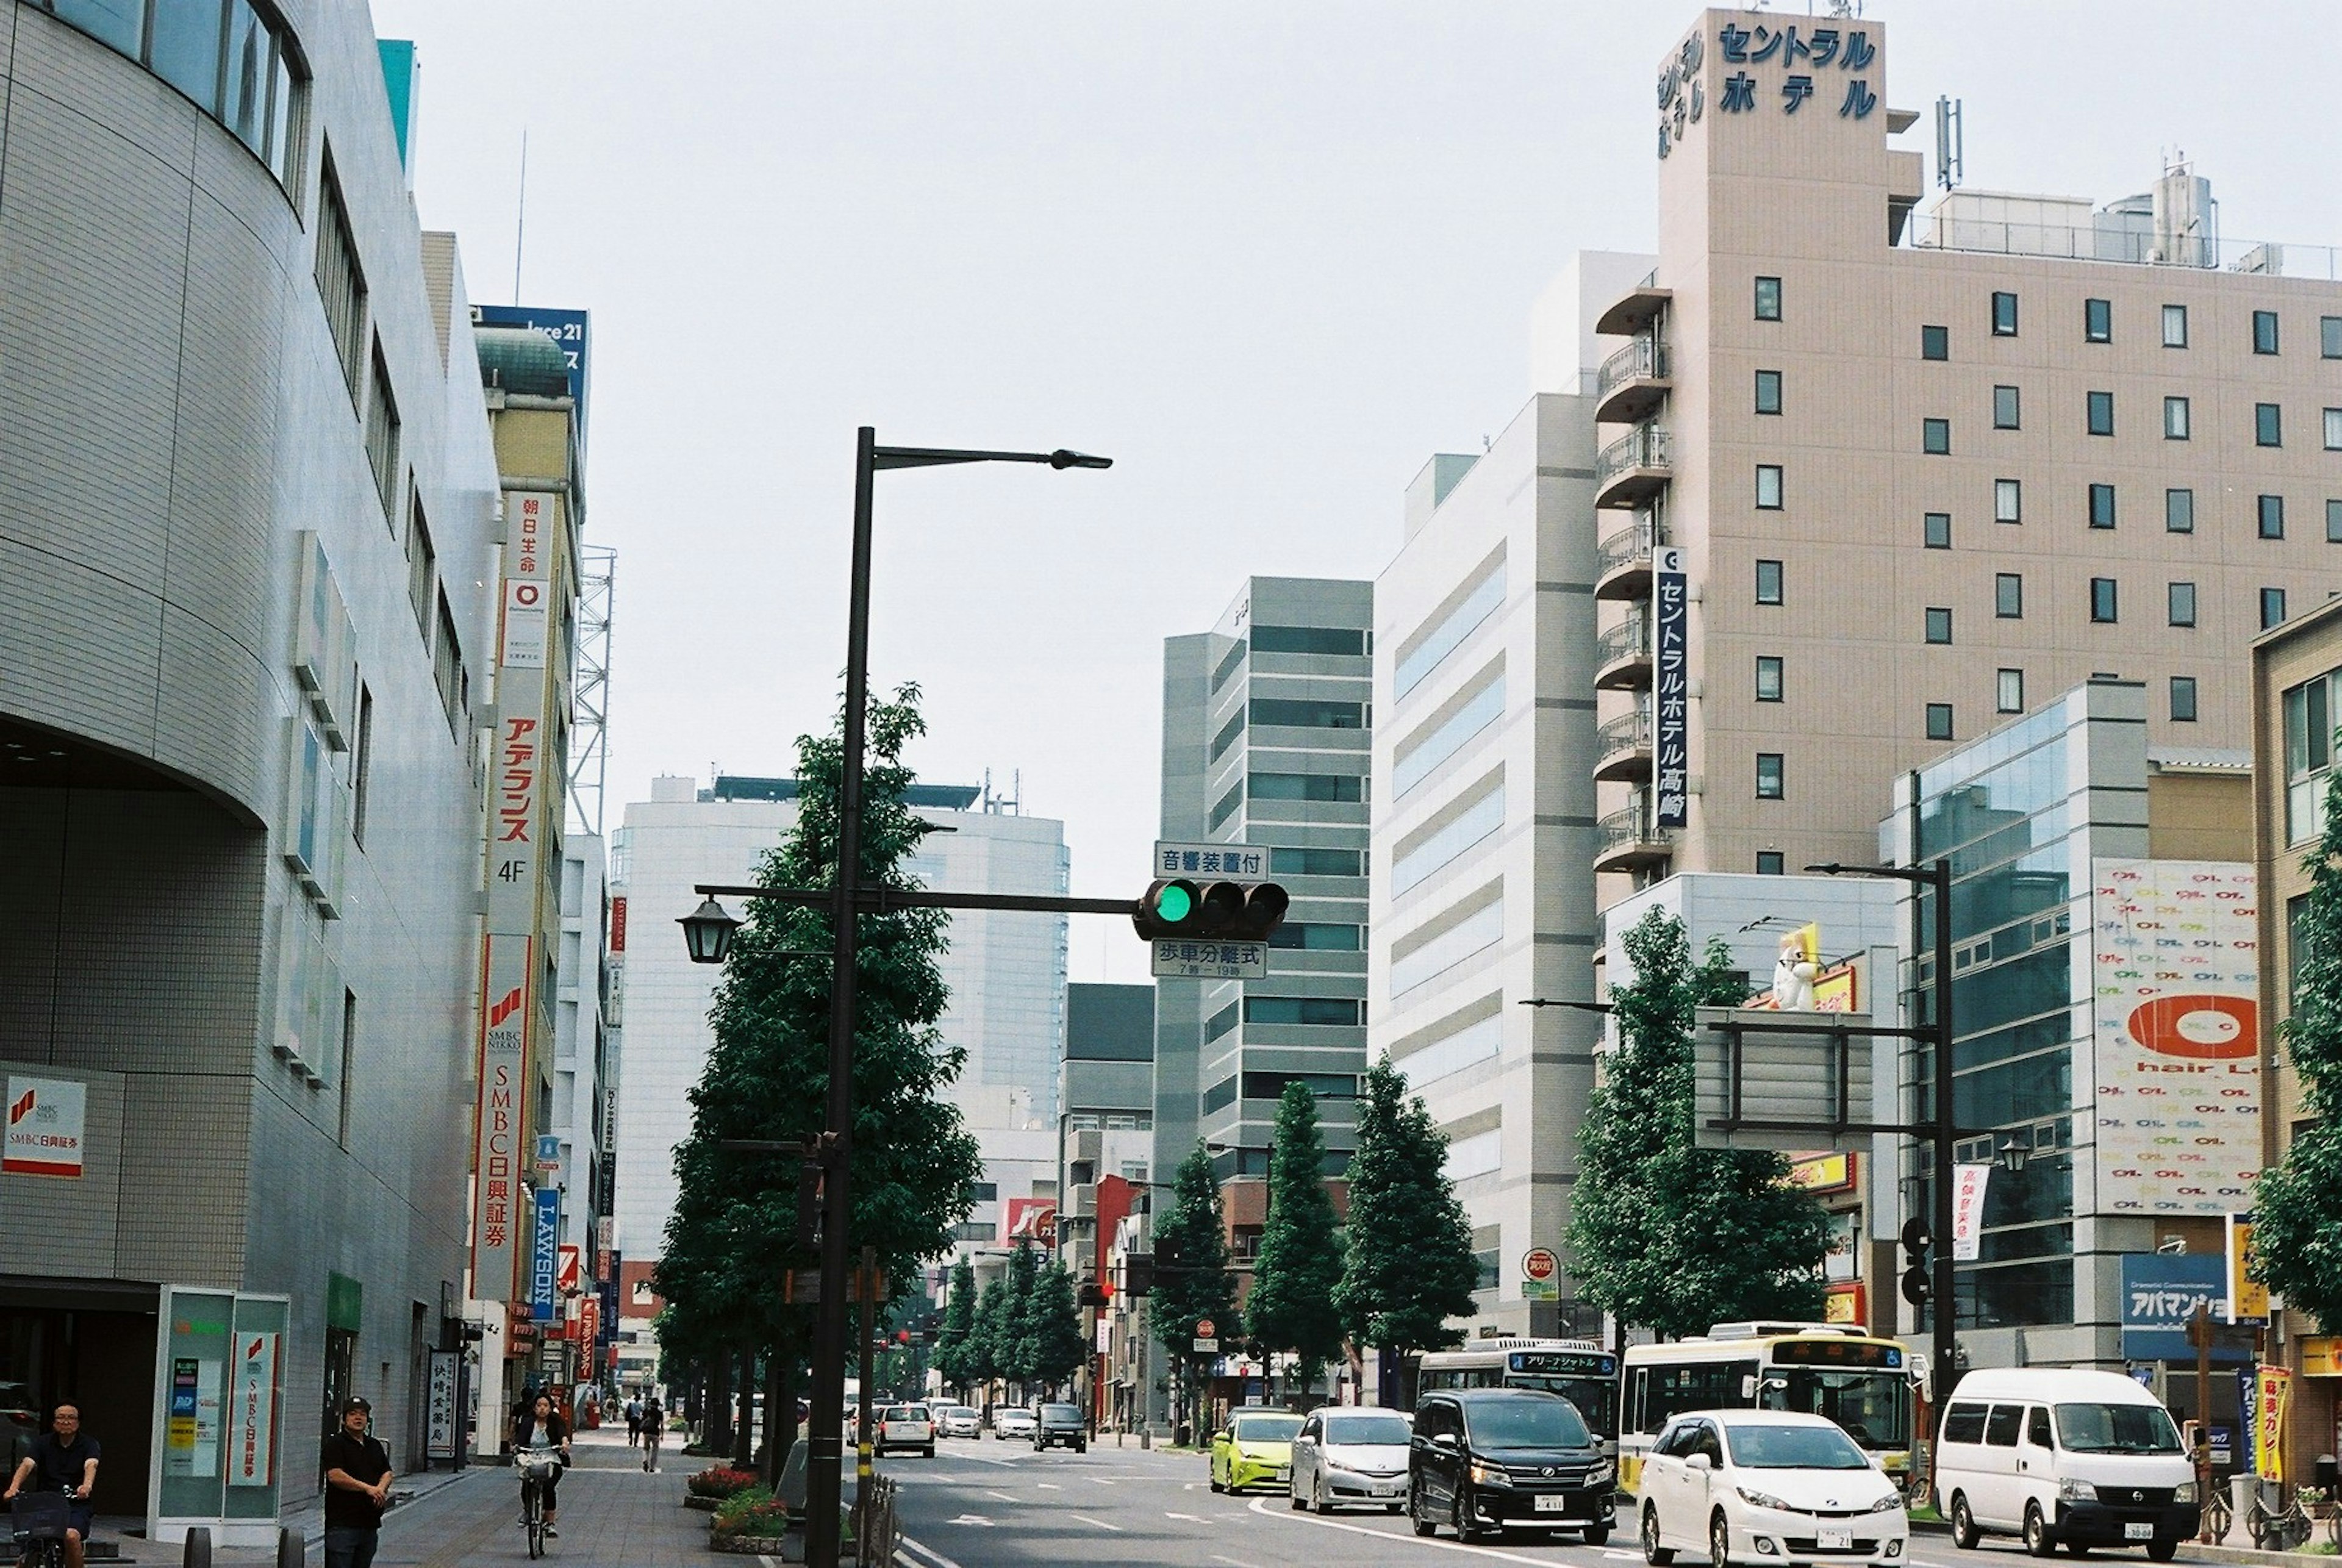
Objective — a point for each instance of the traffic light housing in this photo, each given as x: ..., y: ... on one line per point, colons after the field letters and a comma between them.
x: 1919, y: 1283
x: 1178, y: 909
x: 1092, y: 1294
x: 1138, y: 1275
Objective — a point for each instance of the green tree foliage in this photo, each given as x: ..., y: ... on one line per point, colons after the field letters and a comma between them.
x: 1192, y: 1281
x: 1408, y: 1268
x: 767, y: 1075
x: 1294, y: 1278
x: 984, y: 1335
x: 1019, y: 1344
x: 2297, y: 1204
x: 1663, y: 1234
x: 953, y: 1348
x: 1058, y: 1346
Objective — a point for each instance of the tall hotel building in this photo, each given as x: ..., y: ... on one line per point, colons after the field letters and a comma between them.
x: 1267, y: 720
x: 1860, y: 476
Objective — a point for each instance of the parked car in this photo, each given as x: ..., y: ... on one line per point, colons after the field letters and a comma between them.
x: 957, y: 1420
x: 1485, y: 1459
x: 901, y: 1426
x: 1060, y: 1426
x: 1014, y: 1424
x: 2064, y: 1458
x: 1767, y: 1486
x: 1350, y: 1455
x: 1255, y: 1449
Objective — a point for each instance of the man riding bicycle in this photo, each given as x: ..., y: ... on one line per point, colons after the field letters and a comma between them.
x: 63, y: 1459
x: 541, y: 1426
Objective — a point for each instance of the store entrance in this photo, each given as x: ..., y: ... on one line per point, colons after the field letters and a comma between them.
x: 92, y: 1346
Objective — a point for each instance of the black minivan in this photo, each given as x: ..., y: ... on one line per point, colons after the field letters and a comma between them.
x: 1488, y: 1460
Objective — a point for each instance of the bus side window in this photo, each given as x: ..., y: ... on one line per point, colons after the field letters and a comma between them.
x: 1634, y: 1418
x: 1739, y: 1389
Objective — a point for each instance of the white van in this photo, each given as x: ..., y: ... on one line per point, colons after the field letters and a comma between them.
x: 2063, y: 1457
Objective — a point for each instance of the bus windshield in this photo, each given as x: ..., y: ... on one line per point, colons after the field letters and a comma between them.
x: 1873, y: 1408
x: 1596, y: 1398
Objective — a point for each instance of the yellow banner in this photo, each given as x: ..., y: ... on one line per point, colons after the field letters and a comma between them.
x: 1822, y: 1173
x: 2268, y: 1436
x: 2248, y: 1297
x: 2321, y: 1355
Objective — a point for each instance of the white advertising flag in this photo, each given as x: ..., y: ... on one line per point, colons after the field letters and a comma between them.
x: 1969, y: 1183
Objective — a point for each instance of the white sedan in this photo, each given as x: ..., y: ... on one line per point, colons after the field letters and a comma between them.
x: 1350, y: 1454
x: 901, y: 1426
x: 1772, y: 1487
x: 957, y: 1420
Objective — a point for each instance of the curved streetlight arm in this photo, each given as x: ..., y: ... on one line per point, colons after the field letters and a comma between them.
x: 884, y: 457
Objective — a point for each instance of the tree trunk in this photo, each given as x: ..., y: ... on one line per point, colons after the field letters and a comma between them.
x: 782, y: 1395
x: 775, y: 1436
x: 744, y: 1434
x: 717, y: 1437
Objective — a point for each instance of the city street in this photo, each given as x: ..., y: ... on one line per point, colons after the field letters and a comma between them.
x: 985, y: 1504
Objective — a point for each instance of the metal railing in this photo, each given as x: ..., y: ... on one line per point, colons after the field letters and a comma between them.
x: 1621, y: 828
x: 1628, y: 547
x: 1645, y: 359
x: 1627, y: 732
x: 1629, y: 639
x: 1644, y: 446
x: 2114, y: 240
x: 878, y: 1532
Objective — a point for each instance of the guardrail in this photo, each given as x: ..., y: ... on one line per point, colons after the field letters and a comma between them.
x: 1621, y: 827
x: 1644, y: 446
x: 1645, y: 359
x: 1627, y: 732
x: 1631, y: 638
x: 1627, y: 547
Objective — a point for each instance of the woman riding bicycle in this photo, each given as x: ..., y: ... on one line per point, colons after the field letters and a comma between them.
x: 541, y: 1426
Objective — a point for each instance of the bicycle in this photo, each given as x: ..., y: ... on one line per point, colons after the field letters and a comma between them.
x: 39, y: 1520
x: 537, y: 1465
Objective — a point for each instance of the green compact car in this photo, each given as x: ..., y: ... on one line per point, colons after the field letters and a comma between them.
x: 1255, y: 1449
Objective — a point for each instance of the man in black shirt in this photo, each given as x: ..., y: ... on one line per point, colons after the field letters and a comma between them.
x: 62, y: 1459
x: 357, y: 1489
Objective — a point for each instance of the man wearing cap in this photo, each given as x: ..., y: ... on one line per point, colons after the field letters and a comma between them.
x: 358, y: 1488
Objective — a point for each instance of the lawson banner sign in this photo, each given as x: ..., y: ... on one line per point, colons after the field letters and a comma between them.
x: 2160, y: 1291
x: 545, y: 1254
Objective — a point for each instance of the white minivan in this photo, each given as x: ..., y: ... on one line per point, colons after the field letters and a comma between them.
x: 2064, y: 1458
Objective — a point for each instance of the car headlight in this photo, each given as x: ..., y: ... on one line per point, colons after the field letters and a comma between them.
x: 1602, y: 1473
x: 2071, y: 1491
x: 1763, y: 1500
x: 1491, y: 1475
x: 2184, y: 1492
x: 1893, y: 1499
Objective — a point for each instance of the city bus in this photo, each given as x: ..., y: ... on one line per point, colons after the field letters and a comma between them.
x: 1578, y: 1370
x: 1862, y: 1383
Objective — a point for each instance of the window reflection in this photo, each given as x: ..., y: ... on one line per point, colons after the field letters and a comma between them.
x: 185, y: 48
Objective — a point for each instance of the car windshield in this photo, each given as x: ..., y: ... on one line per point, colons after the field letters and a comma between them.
x: 1387, y: 1429
x: 1264, y: 1427
x: 1761, y: 1445
x: 1061, y: 1412
x: 1529, y: 1422
x: 2117, y: 1429
x: 1597, y: 1400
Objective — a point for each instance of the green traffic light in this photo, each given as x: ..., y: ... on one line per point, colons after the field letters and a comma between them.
x: 1174, y: 903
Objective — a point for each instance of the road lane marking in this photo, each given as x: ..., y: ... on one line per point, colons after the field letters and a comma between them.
x: 1102, y: 1480
x: 1049, y: 1487
x: 1003, y: 1497
x: 972, y: 1519
x: 928, y: 1552
x: 1231, y: 1562
x: 1190, y: 1518
x: 1099, y: 1523
x: 1262, y: 1508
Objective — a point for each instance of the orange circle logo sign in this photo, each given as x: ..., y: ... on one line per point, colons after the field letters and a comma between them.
x: 2207, y: 1028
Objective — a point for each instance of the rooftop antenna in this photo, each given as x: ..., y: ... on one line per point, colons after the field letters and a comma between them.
x: 1950, y: 138
x: 520, y: 220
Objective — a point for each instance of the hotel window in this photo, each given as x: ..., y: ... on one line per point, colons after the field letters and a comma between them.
x: 1769, y: 392
x: 2007, y: 501
x: 2102, y: 505
x: 1768, y: 678
x: 2097, y: 321
x: 2334, y: 430
x: 2269, y: 425
x: 2011, y: 691
x: 2272, y: 607
x: 1940, y: 720
x: 1769, y: 777
x: 2174, y: 326
x: 2004, y: 408
x: 1768, y: 582
x: 1936, y: 341
x: 2004, y: 315
x: 2008, y: 596
x: 2329, y: 336
x: 1770, y: 863
x: 1768, y: 487
x: 2334, y: 522
x: 2101, y: 600
x: 2179, y: 511
x: 2183, y: 699
x: 1936, y: 529
x: 1768, y: 299
x: 2270, y: 510
x: 2102, y: 412
x: 341, y: 281
x: 2308, y: 747
x: 2174, y: 419
x: 2264, y: 332
x: 1939, y: 624
x: 382, y: 435
x: 1935, y: 437
x: 2180, y: 602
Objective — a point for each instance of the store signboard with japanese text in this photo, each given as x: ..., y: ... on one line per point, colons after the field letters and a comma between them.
x: 2175, y: 955
x: 252, y: 1456
x: 46, y: 1120
x: 2160, y: 1292
x: 506, y: 969
x: 1670, y: 689
x: 545, y: 1254
x: 1811, y: 66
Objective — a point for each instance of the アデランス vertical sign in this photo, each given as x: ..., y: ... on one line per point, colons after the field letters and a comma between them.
x: 1670, y: 689
x: 505, y: 979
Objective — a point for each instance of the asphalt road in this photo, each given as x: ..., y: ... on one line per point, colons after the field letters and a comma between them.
x: 988, y: 1504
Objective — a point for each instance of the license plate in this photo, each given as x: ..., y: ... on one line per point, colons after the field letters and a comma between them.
x: 1833, y: 1541
x: 2138, y: 1532
x: 1387, y: 1489
x: 1553, y: 1504
x: 1284, y: 1475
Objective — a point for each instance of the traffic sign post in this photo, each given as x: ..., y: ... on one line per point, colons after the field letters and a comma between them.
x: 1540, y: 1275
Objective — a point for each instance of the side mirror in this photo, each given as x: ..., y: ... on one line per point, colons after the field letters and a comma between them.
x: 1748, y: 1388
x: 1220, y: 1436
x: 1445, y: 1442
x: 1699, y: 1462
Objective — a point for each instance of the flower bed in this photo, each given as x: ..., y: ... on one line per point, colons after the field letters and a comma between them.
x: 720, y: 1483
x: 752, y: 1512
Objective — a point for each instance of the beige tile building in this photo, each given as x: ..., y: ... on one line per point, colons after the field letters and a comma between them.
x: 1929, y: 466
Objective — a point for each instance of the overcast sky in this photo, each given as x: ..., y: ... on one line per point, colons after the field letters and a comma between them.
x: 1269, y: 257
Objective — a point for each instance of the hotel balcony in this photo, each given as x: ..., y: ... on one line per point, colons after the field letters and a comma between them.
x: 1622, y: 563
x: 1635, y: 313
x: 1624, y: 841
x: 1622, y: 656
x: 1622, y: 748
x: 1632, y: 468
x: 1633, y: 383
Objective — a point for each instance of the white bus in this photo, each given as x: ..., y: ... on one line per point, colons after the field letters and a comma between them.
x: 1578, y: 1370
x: 1832, y: 1370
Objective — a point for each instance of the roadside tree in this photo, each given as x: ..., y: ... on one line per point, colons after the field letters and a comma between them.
x: 1192, y: 1281
x: 1299, y: 1268
x: 2297, y: 1204
x: 1408, y: 1267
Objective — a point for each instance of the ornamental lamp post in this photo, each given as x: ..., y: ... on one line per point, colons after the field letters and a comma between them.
x: 707, y: 933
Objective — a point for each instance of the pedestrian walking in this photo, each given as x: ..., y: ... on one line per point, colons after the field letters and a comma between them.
x: 358, y: 1488
x: 653, y: 1429
x: 634, y: 1423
